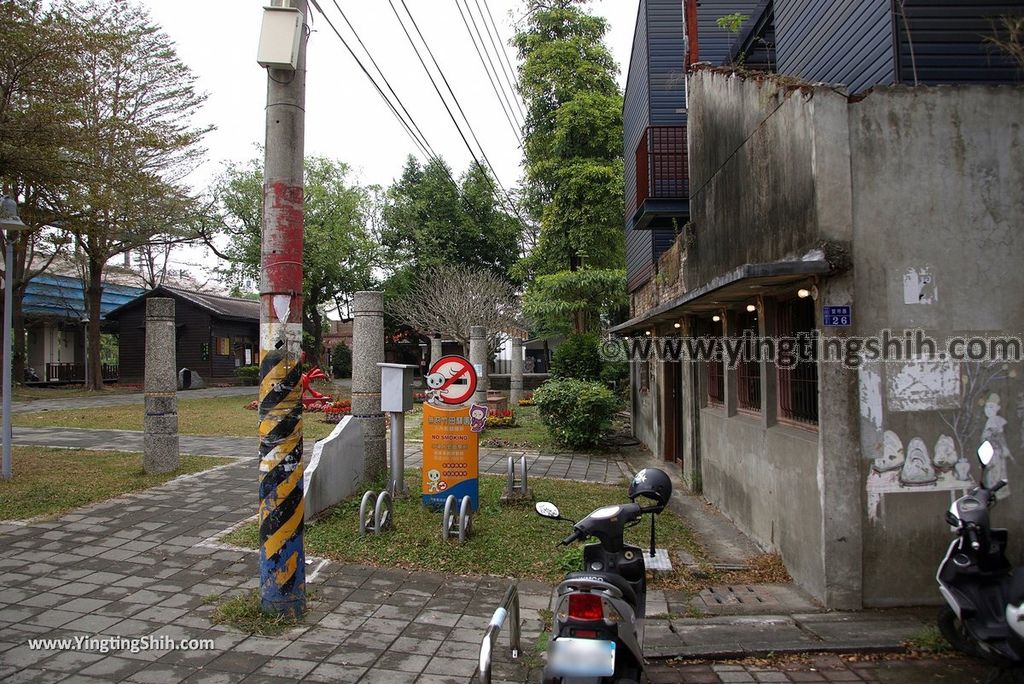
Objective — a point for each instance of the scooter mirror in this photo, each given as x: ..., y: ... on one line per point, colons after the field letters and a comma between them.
x: 985, y: 453
x: 547, y: 510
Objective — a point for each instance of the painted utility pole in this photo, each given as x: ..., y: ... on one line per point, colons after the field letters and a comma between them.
x: 282, y: 556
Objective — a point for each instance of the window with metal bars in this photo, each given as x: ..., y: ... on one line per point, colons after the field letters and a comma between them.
x: 715, y: 368
x: 798, y: 384
x: 748, y: 372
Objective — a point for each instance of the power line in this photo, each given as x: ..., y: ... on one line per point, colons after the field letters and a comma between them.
x: 408, y: 129
x: 384, y: 78
x: 501, y: 54
x: 458, y: 105
x: 516, y: 125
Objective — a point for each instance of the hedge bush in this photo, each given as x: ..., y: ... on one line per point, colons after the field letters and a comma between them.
x: 249, y: 375
x: 578, y: 413
x: 579, y: 357
x: 341, y: 361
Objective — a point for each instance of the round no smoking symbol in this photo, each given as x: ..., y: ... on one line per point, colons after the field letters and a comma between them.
x: 452, y: 380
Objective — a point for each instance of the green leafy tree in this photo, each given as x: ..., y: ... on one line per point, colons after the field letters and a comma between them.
x: 134, y: 142
x: 338, y: 251
x: 575, y: 301
x: 573, y: 150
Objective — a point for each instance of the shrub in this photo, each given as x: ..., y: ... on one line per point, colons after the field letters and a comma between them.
x: 341, y: 361
x: 527, y: 400
x: 576, y: 412
x: 249, y: 375
x: 615, y: 372
x: 579, y: 357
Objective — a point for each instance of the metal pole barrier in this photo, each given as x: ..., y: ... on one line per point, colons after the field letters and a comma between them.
x: 509, y: 604
x: 8, y: 306
x: 397, y: 453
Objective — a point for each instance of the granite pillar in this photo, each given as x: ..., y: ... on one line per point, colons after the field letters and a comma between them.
x: 435, y: 349
x: 367, y: 352
x: 478, y: 357
x: 516, y: 381
x: 160, y: 439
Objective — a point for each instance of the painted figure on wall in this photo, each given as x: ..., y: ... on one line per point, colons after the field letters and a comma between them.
x: 994, y: 432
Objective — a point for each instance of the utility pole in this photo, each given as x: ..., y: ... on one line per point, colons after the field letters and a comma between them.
x: 282, y: 556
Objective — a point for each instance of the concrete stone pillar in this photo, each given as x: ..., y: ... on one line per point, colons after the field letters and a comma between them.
x: 160, y: 440
x: 367, y: 352
x: 516, y: 381
x: 435, y: 350
x: 478, y: 357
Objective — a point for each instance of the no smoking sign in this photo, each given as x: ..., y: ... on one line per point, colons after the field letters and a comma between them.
x: 452, y: 380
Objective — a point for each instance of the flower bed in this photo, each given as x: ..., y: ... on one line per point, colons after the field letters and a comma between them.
x: 502, y: 418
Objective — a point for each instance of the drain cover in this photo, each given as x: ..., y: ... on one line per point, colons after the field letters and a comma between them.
x: 747, y: 595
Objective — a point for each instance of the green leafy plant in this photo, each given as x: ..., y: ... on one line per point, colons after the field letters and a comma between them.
x: 576, y: 412
x: 248, y: 375
x: 578, y: 357
x: 341, y: 361
x: 733, y: 23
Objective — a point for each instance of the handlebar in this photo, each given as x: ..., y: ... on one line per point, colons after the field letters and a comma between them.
x: 999, y: 485
x: 972, y: 537
x: 576, y: 534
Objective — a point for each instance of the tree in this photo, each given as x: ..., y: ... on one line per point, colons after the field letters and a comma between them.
x: 338, y: 252
x: 451, y: 299
x: 573, y: 149
x: 135, y: 145
x: 40, y: 94
x: 429, y: 221
x: 568, y: 301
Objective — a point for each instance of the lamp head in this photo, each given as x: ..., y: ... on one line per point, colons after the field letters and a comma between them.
x: 9, y: 215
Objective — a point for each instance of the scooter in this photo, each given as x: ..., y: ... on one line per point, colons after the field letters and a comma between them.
x: 984, y: 615
x: 599, y: 614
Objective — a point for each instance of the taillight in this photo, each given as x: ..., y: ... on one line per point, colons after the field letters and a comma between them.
x: 585, y: 607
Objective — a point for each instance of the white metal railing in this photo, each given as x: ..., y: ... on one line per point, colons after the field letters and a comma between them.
x: 509, y: 604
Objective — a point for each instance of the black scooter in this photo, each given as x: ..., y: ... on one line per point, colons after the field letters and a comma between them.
x: 599, y: 616
x: 984, y: 615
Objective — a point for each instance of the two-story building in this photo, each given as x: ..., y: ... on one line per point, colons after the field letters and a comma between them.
x: 832, y: 173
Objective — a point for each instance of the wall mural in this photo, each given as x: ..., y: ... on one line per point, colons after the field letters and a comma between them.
x: 906, y: 463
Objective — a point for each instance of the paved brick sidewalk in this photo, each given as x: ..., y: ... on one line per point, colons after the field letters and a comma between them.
x: 610, y: 468
x: 139, y: 566
x: 121, y: 399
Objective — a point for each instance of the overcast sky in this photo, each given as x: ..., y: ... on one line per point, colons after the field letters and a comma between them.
x: 345, y: 118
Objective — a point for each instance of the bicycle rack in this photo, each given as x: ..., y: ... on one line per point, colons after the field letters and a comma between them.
x: 517, y: 489
x: 380, y: 517
x: 509, y: 604
x: 456, y: 524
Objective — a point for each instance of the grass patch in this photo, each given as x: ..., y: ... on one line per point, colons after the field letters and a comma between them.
x: 37, y: 393
x: 246, y: 612
x: 508, y: 539
x: 929, y: 640
x: 217, y: 416
x: 53, y: 481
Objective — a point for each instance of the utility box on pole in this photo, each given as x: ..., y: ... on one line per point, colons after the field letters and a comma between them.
x: 280, y: 37
x: 395, y: 400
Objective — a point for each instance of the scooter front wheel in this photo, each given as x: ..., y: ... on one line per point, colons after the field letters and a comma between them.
x: 953, y: 629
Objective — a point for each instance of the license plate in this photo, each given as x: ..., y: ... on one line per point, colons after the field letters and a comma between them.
x: 582, y: 657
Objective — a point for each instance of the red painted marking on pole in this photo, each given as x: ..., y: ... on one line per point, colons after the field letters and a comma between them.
x: 282, y: 263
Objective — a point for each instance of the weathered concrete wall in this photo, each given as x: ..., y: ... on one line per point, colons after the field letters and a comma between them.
x: 752, y: 171
x: 937, y: 176
x: 766, y: 482
x: 646, y: 426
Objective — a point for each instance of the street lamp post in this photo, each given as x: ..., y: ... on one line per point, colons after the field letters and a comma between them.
x: 8, y: 220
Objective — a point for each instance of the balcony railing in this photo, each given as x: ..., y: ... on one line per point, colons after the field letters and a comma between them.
x: 75, y: 372
x: 661, y: 166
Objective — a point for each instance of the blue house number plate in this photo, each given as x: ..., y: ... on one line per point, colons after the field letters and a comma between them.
x: 838, y: 315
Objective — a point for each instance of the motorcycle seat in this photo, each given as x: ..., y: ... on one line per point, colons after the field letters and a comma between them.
x: 611, y: 578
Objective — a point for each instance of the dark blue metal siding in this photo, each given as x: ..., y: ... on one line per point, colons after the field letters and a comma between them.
x: 836, y: 41
x: 636, y: 118
x: 666, y: 45
x: 715, y: 43
x: 949, y: 42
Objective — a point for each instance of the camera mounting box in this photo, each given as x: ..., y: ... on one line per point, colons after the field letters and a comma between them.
x: 280, y: 38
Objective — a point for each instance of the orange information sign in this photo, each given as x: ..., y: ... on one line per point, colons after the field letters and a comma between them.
x: 451, y: 455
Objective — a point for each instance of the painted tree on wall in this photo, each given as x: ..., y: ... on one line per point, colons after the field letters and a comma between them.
x: 573, y: 150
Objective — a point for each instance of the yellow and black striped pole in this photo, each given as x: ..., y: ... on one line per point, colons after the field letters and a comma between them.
x: 282, y: 557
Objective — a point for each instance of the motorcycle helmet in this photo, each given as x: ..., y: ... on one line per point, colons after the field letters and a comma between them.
x: 653, y: 484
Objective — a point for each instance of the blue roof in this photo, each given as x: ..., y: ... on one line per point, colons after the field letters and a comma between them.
x: 60, y: 296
